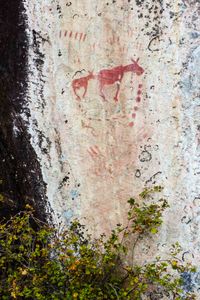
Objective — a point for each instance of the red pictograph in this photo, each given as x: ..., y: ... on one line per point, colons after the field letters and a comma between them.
x: 108, y: 77
x: 135, y: 108
x: 80, y: 36
x: 95, y: 152
x: 115, y: 75
x: 82, y: 83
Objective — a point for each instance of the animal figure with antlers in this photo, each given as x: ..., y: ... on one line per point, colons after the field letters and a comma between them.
x: 82, y: 83
x: 107, y: 77
x: 115, y: 75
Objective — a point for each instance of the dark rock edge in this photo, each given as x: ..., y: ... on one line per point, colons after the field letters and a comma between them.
x: 21, y: 179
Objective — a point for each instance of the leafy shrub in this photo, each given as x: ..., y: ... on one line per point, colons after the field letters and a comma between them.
x: 38, y: 261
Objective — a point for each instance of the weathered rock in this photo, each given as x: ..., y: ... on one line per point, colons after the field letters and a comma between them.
x: 102, y: 123
x: 20, y: 175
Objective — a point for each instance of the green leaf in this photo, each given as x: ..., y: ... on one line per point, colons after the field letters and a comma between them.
x: 131, y: 201
x: 154, y: 230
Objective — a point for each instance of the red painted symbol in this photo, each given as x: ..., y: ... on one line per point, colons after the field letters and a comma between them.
x: 135, y: 108
x: 139, y: 93
x: 73, y: 35
x: 82, y: 83
x: 94, y: 151
x: 84, y: 37
x: 80, y: 36
x: 108, y: 77
x: 115, y: 75
x: 84, y: 125
x: 131, y: 124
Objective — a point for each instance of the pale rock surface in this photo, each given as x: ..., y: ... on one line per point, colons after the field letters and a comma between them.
x: 97, y: 152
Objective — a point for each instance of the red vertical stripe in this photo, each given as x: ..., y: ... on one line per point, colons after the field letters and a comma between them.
x: 84, y: 37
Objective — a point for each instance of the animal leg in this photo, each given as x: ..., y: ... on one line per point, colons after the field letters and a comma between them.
x: 77, y: 96
x: 85, y: 91
x: 117, y: 92
x: 102, y: 93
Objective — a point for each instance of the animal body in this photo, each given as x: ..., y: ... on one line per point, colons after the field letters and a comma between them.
x: 115, y: 75
x: 82, y: 83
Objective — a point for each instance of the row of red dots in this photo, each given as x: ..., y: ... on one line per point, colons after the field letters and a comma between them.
x: 138, y: 100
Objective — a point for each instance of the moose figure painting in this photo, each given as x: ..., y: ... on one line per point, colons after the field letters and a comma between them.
x: 115, y: 75
x: 107, y: 77
x: 81, y: 83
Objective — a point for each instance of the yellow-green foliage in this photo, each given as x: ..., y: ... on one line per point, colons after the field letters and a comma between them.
x: 40, y: 262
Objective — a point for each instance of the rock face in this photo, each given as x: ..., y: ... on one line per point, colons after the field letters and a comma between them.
x: 112, y: 106
x: 20, y: 175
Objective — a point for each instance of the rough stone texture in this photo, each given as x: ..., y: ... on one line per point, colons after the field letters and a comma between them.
x: 20, y: 176
x: 96, y: 151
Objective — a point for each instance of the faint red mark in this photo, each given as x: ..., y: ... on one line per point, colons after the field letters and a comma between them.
x: 70, y: 35
x: 84, y: 37
x: 130, y: 32
x: 115, y: 75
x: 65, y: 34
x: 82, y: 83
x: 94, y: 151
x: 115, y: 39
x: 81, y: 34
x: 84, y: 125
x: 99, y: 161
x: 140, y: 47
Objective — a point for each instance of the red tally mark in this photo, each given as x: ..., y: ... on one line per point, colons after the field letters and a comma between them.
x: 80, y: 36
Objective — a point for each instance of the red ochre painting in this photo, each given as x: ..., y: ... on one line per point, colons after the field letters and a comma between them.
x: 107, y: 77
x: 110, y: 159
x: 105, y: 92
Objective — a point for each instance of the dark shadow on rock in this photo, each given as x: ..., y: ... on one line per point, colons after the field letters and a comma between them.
x: 20, y: 174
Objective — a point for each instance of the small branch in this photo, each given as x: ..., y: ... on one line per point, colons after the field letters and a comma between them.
x: 114, y: 290
x: 133, y: 247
